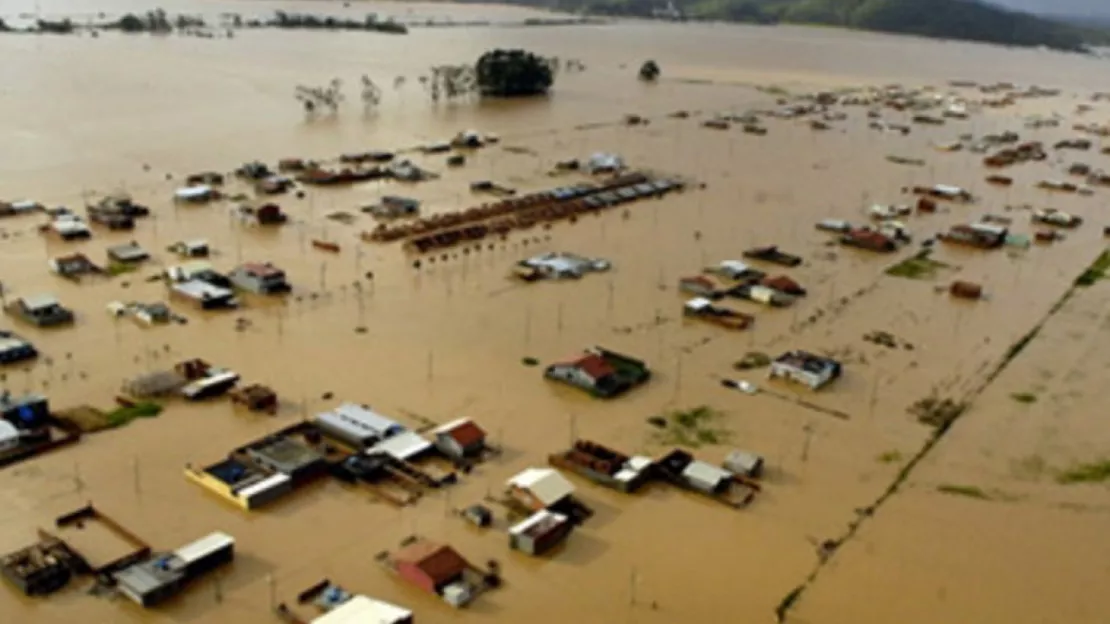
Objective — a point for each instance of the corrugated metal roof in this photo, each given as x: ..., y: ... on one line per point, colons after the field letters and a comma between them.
x: 402, y: 445
x: 364, y: 610
x: 366, y: 417
x: 546, y: 484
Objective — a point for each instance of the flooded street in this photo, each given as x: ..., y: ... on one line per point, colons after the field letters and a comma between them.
x: 137, y: 114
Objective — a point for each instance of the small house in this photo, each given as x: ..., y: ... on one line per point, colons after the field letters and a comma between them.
x: 393, y: 206
x: 204, y: 295
x: 600, y: 372
x: 437, y: 569
x: 70, y: 227
x: 260, y: 278
x: 195, y: 248
x: 130, y: 253
x: 42, y: 310
x: 460, y: 439
x: 74, y: 266
x: 744, y: 463
x: 195, y: 194
x: 981, y: 235
x: 604, y: 163
x: 806, y: 368
x: 540, y: 488
x: 15, y: 349
x: 197, y: 270
x: 540, y: 532
x: 365, y: 610
x: 699, y: 285
x: 268, y: 214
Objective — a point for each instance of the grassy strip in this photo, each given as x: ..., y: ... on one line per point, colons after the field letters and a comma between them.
x: 124, y: 415
x: 969, y: 491
x: 1095, y: 472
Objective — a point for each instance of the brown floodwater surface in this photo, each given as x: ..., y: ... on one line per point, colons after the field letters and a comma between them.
x: 138, y: 114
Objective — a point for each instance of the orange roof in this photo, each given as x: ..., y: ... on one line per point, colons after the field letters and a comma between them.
x: 467, y: 433
x: 439, y: 561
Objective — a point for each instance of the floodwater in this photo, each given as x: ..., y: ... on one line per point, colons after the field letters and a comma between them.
x: 113, y: 113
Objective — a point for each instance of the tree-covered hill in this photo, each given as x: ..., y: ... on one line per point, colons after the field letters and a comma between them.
x: 948, y: 19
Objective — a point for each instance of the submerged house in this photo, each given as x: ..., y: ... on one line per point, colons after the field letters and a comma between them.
x: 74, y: 266
x: 806, y: 368
x: 260, y: 278
x: 540, y: 488
x: 981, y: 235
x: 437, y: 569
x: 157, y: 579
x: 15, y: 349
x: 540, y: 532
x: 600, y: 372
x: 42, y: 310
x: 204, y: 295
x: 460, y: 439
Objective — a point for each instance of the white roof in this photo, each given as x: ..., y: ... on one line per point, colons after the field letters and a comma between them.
x: 402, y: 445
x: 69, y: 225
x: 199, y: 290
x: 193, y: 192
x: 204, y: 546
x: 705, y: 473
x: 364, y: 610
x: 735, y: 266
x: 699, y: 303
x: 188, y: 269
x: 35, y: 302
x: 638, y: 462
x: 542, y: 515
x: 546, y: 484
x: 8, y: 431
x: 273, y: 481
x: 945, y: 189
x: 451, y: 426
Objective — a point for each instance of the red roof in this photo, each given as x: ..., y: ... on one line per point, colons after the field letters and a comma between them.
x: 593, y: 365
x: 262, y: 269
x: 439, y: 562
x: 467, y: 433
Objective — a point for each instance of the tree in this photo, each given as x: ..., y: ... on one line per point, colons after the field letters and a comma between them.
x: 649, y: 71
x: 450, y: 82
x: 371, y: 93
x: 315, y: 98
x: 513, y: 73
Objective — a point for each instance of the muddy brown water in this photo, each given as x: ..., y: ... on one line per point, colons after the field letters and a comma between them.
x: 446, y: 341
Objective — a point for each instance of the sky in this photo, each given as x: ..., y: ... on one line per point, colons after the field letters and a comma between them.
x: 1099, y: 8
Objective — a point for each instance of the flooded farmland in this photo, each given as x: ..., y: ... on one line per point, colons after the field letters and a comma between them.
x: 876, y: 516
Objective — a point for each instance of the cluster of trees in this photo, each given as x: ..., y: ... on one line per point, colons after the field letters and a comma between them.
x: 327, y: 98
x: 949, y: 19
x: 514, y: 73
x: 649, y: 71
x: 498, y: 73
x: 282, y: 19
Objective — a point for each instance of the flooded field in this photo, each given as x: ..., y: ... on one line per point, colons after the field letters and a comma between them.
x: 981, y: 517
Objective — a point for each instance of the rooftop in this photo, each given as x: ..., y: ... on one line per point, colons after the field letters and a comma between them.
x: 262, y: 269
x: 805, y: 360
x: 538, y: 524
x: 198, y: 289
x: 546, y: 484
x: 38, y: 302
x: 593, y: 365
x: 464, y: 431
x: 439, y: 561
x: 364, y: 610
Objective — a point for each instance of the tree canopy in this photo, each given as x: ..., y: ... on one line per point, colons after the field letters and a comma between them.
x: 649, y: 71
x: 513, y: 73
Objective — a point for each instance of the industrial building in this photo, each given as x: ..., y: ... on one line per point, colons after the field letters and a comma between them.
x: 357, y: 426
x: 154, y: 580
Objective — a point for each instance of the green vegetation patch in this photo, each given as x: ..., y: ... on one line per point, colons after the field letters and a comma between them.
x: 1094, y: 472
x: 969, y: 491
x: 121, y: 268
x: 691, y: 428
x: 1096, y: 271
x: 889, y: 457
x: 123, y: 415
x: 918, y: 266
x: 937, y: 412
x: 1024, y: 397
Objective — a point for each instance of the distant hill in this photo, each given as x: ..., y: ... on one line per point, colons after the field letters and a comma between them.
x: 946, y: 19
